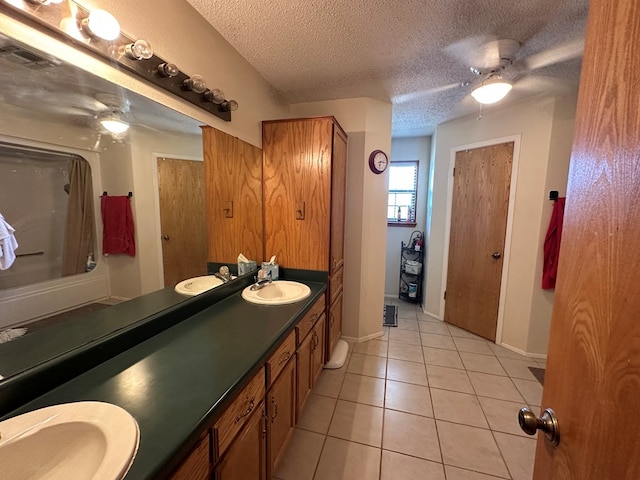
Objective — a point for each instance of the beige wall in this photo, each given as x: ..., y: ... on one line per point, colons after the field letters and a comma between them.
x: 412, y: 148
x: 368, y: 124
x: 543, y: 126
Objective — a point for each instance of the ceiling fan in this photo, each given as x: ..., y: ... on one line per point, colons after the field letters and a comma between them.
x: 495, y: 68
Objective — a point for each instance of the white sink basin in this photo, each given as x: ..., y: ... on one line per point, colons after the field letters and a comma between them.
x: 196, y: 285
x: 279, y: 292
x: 83, y: 440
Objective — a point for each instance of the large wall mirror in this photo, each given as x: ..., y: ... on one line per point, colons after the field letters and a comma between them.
x: 49, y: 120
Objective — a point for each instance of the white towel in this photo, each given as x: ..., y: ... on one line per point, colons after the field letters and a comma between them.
x: 8, y: 244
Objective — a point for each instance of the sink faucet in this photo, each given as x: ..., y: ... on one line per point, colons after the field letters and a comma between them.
x: 263, y: 278
x: 223, y: 274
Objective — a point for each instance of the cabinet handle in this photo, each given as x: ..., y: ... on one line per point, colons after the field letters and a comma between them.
x: 275, y: 409
x: 315, y: 339
x: 314, y: 317
x: 247, y: 411
x: 265, y: 422
x: 284, y: 357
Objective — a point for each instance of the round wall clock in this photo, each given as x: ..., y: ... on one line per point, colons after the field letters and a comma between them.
x: 378, y: 161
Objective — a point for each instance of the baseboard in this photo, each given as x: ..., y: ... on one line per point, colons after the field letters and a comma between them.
x: 522, y: 352
x: 435, y: 316
x: 363, y: 339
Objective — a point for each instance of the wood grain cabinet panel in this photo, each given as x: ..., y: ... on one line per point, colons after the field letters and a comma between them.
x: 309, y: 320
x: 246, y: 458
x: 238, y: 413
x: 197, y: 465
x: 318, y: 349
x: 278, y: 360
x: 334, y: 325
x: 233, y: 192
x: 281, y: 408
x: 300, y: 178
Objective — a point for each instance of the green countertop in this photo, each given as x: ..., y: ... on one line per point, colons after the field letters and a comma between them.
x: 176, y: 382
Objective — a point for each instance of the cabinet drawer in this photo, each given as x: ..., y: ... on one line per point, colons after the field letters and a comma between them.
x: 280, y: 357
x: 308, y: 321
x: 196, y: 465
x: 335, y: 285
x: 238, y: 413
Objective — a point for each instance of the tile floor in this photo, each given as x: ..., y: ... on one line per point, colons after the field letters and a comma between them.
x: 426, y: 401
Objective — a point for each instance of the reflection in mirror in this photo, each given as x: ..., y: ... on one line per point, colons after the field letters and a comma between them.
x: 47, y: 199
x: 51, y: 106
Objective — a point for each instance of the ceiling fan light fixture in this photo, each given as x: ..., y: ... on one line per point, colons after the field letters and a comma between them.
x: 113, y: 122
x: 492, y: 90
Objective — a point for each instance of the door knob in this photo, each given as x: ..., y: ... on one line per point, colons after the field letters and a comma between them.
x: 166, y: 237
x: 547, y: 423
x: 496, y: 255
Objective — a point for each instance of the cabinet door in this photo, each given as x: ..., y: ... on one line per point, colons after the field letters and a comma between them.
x: 318, y: 349
x: 233, y: 192
x: 304, y: 358
x: 297, y: 191
x: 338, y: 188
x: 246, y: 458
x: 282, y: 409
x: 334, y: 327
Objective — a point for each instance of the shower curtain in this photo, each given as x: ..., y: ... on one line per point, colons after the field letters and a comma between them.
x: 78, y: 235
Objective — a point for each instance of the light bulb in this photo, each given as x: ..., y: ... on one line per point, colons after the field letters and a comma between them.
x: 216, y: 96
x: 113, y: 123
x: 195, y: 83
x: 492, y: 90
x: 101, y: 23
x: 140, y: 50
x: 168, y: 70
x: 229, y: 106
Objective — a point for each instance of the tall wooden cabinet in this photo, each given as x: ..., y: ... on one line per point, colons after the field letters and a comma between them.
x: 233, y: 188
x: 304, y: 181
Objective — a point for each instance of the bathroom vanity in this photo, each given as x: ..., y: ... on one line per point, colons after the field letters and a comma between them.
x: 215, y: 393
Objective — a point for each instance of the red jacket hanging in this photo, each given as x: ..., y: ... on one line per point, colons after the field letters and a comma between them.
x: 552, y: 246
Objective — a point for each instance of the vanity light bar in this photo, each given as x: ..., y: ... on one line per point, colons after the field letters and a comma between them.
x: 136, y: 56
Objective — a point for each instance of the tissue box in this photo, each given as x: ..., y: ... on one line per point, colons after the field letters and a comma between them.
x: 413, y: 267
x: 247, y: 267
x: 272, y: 268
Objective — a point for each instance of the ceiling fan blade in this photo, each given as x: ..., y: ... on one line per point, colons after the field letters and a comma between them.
x: 562, y: 53
x: 411, y: 96
x: 468, y: 51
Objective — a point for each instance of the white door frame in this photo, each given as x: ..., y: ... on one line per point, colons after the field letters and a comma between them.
x: 516, y: 139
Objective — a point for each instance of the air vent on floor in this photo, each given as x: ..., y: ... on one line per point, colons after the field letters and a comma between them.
x: 20, y: 56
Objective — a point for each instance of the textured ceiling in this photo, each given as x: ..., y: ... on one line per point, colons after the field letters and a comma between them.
x: 413, y: 53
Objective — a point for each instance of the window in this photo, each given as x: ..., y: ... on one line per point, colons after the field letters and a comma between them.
x: 403, y: 189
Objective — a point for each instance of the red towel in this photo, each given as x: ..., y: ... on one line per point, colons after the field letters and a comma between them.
x: 552, y: 246
x: 117, y: 226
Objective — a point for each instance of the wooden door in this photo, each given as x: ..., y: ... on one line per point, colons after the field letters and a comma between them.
x: 593, y: 367
x: 246, y: 458
x: 233, y: 173
x: 482, y: 177
x: 182, y: 219
x: 297, y: 191
x: 338, y: 196
x: 282, y: 411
